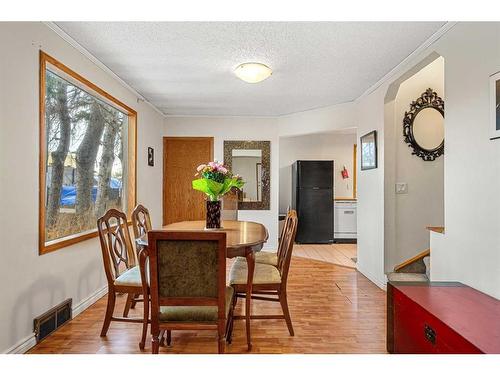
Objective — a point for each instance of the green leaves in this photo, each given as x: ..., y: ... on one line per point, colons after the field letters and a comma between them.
x: 216, y: 189
x: 209, y: 187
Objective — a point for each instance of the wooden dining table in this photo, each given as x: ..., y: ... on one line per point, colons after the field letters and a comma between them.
x: 243, y: 238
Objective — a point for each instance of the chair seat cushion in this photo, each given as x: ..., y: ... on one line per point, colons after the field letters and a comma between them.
x: 194, y: 313
x: 131, y: 277
x: 263, y: 273
x: 266, y: 257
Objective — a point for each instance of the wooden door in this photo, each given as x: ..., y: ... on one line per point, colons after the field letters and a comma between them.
x: 181, y: 156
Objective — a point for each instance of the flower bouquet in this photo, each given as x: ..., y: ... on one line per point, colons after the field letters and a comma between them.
x: 215, y: 181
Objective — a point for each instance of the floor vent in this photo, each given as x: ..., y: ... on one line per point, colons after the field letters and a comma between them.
x: 51, y: 320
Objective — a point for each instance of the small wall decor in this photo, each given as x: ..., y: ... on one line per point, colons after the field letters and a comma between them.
x: 423, y: 126
x: 495, y: 105
x: 369, y: 151
x: 151, y: 156
x: 344, y: 173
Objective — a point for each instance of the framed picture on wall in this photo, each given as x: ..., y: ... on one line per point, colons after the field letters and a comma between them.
x: 495, y: 105
x: 369, y: 151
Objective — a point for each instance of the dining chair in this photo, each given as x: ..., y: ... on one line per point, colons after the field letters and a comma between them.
x: 187, y: 283
x: 121, y: 269
x: 268, y: 280
x: 141, y: 221
x: 141, y: 225
x: 271, y: 257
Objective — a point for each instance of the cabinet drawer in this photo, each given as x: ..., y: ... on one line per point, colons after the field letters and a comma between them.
x: 417, y: 331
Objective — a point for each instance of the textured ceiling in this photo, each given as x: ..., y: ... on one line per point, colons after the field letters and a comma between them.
x: 186, y: 68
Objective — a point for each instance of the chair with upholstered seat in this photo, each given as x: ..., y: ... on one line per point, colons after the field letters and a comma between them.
x: 141, y: 221
x: 269, y: 257
x: 268, y: 280
x: 141, y: 225
x: 187, y: 283
x: 121, y: 269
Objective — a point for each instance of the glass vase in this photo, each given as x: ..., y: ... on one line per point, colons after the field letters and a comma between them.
x: 213, y: 214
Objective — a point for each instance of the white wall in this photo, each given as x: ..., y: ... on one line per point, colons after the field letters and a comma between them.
x: 238, y: 128
x: 31, y: 284
x: 327, y: 146
x: 370, y: 206
x: 320, y: 120
x: 470, y: 249
x: 471, y: 246
x: 425, y: 179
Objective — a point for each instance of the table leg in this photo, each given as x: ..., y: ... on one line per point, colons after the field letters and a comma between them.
x: 250, y: 256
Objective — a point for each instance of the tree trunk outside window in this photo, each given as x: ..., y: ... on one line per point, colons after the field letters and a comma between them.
x: 60, y: 154
x: 106, y: 164
x: 85, y: 160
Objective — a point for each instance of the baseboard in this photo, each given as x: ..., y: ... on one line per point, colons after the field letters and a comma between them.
x: 382, y: 284
x: 30, y: 341
x: 90, y: 300
x: 22, y: 346
x: 345, y: 240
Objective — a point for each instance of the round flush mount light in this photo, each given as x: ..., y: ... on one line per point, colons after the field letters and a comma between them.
x: 252, y: 72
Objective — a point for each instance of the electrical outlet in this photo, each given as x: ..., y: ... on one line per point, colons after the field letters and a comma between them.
x: 401, y: 188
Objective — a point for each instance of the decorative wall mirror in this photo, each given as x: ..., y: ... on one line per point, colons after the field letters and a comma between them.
x: 423, y: 126
x: 251, y: 160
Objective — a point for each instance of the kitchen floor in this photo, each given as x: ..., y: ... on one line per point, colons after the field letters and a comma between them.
x: 341, y: 254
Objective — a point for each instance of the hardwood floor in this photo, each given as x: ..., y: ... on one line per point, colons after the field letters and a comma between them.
x: 336, y: 253
x: 334, y: 310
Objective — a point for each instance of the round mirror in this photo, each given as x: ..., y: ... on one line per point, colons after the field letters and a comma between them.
x: 423, y: 126
x: 428, y: 128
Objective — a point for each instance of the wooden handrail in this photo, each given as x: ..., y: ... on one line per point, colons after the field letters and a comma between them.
x: 416, y: 258
x: 436, y: 229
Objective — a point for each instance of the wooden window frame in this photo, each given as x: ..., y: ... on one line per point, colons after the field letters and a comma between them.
x: 43, y: 248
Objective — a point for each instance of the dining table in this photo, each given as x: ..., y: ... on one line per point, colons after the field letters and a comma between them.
x: 243, y: 239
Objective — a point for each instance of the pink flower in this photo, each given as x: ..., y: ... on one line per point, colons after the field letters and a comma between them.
x: 213, y: 166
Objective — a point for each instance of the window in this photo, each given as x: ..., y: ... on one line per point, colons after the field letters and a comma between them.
x: 87, y: 156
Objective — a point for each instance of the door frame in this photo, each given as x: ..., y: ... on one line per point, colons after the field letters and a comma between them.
x: 165, y: 139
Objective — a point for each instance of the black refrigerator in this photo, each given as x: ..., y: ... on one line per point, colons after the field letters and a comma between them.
x: 312, y: 198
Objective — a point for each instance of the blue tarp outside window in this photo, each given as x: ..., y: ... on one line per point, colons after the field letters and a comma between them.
x: 68, y: 193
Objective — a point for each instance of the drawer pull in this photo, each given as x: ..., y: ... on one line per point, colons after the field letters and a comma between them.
x: 430, y: 334
x: 348, y: 212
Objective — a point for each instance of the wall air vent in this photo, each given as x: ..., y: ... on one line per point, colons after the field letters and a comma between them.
x: 51, y: 320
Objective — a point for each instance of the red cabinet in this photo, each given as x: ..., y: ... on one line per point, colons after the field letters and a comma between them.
x: 441, y: 318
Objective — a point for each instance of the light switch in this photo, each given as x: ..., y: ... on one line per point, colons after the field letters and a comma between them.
x: 401, y: 188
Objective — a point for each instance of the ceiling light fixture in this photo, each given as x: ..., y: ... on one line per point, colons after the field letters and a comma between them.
x: 252, y: 72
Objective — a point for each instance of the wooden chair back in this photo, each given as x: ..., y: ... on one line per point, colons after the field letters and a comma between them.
x: 116, y: 245
x: 186, y: 269
x: 281, y: 237
x: 141, y: 221
x: 286, y: 244
x: 141, y: 225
